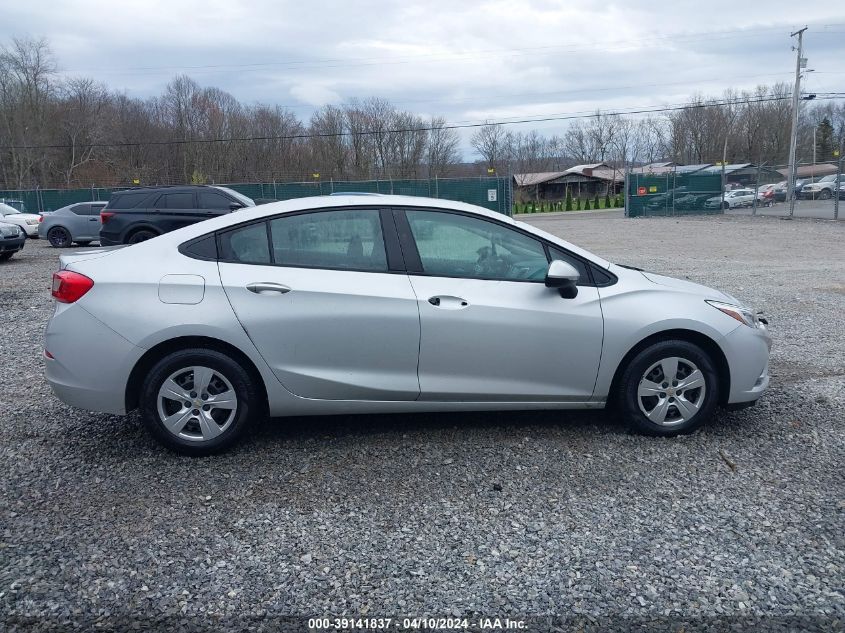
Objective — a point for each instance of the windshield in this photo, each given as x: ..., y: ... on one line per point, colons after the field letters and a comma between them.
x: 240, y: 197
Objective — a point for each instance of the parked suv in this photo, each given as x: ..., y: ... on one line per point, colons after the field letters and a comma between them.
x: 821, y: 190
x: 136, y: 215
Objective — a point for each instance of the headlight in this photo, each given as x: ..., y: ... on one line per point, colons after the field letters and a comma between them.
x: 743, y: 315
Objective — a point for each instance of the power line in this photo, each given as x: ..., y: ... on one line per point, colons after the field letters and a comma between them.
x: 452, y: 126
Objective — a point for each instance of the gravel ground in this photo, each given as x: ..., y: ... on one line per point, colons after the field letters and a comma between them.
x: 435, y: 515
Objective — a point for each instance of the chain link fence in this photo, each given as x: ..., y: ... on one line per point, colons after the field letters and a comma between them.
x: 492, y: 193
x: 738, y: 189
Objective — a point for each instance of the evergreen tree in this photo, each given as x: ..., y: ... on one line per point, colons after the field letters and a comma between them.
x: 607, y: 199
x: 568, y: 199
x: 587, y: 204
x: 825, y: 143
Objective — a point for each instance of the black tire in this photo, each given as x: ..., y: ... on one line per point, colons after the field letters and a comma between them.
x: 141, y: 236
x: 59, y: 237
x: 4, y: 257
x: 726, y: 205
x: 824, y: 195
x: 629, y: 400
x: 249, y: 405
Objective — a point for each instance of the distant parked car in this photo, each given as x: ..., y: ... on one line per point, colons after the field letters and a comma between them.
x: 780, y: 191
x: 78, y: 223
x: 12, y: 238
x: 733, y: 199
x: 13, y: 202
x: 27, y: 221
x: 821, y: 190
x: 139, y: 214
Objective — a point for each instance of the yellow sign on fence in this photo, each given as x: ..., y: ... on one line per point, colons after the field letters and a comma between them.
x: 652, y: 189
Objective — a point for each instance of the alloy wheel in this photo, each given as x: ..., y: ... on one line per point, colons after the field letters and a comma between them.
x: 197, y: 403
x: 671, y: 391
x: 59, y: 238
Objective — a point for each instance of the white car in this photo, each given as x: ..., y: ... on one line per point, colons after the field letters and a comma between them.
x: 368, y: 304
x: 733, y: 199
x: 823, y: 189
x: 27, y: 221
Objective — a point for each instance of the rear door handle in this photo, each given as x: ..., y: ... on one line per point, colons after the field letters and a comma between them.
x: 448, y: 302
x: 261, y: 287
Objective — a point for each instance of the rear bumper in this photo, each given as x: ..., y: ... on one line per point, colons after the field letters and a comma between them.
x: 90, y: 362
x: 108, y: 241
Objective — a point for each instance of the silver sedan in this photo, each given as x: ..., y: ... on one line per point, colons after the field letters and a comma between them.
x: 78, y: 223
x: 354, y: 304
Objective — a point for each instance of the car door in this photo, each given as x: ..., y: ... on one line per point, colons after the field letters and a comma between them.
x: 177, y: 209
x: 86, y: 221
x: 326, y: 302
x: 490, y: 328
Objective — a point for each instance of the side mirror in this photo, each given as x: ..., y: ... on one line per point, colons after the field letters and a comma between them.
x: 564, y: 277
x: 235, y: 206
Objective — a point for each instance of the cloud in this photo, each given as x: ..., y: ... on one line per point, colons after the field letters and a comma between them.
x: 467, y: 60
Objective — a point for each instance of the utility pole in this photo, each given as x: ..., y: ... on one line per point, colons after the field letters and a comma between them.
x: 793, y: 139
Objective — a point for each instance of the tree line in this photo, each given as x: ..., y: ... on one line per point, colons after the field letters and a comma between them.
x: 76, y: 132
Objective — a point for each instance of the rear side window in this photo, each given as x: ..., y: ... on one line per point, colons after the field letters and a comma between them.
x: 245, y: 245
x: 348, y: 239
x: 128, y: 200
x: 81, y: 209
x: 212, y: 200
x: 176, y: 201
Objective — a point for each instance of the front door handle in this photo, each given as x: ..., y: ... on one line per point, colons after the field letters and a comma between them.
x: 261, y: 287
x: 448, y: 302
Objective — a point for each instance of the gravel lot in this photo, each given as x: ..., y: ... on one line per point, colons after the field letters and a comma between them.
x: 491, y: 514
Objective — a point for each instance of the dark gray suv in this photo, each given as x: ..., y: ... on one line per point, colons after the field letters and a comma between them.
x: 136, y: 215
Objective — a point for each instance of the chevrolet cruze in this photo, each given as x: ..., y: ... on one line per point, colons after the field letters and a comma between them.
x: 373, y: 304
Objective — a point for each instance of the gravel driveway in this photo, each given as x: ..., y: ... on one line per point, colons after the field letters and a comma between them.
x: 492, y: 514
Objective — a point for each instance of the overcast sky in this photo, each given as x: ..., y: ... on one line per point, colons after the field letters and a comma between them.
x: 463, y: 59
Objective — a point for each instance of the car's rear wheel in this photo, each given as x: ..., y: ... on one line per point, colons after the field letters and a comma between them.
x: 198, y: 402
x: 142, y: 236
x: 59, y: 237
x: 669, y: 388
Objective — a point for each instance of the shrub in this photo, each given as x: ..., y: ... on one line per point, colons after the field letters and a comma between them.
x: 596, y: 201
x: 587, y: 204
x: 568, y: 199
x: 607, y: 200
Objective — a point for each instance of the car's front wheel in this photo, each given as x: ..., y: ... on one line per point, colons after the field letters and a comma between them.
x: 669, y: 388
x: 198, y: 402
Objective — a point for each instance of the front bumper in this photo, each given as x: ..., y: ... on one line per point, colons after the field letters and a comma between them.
x: 747, y: 352
x: 90, y: 362
x: 12, y: 244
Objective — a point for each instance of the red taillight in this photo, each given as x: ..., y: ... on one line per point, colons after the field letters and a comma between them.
x: 105, y: 216
x: 40, y: 218
x: 69, y: 286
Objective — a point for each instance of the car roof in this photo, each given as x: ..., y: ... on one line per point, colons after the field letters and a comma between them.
x: 354, y: 201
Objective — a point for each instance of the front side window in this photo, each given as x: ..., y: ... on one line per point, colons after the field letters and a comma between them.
x: 453, y: 245
x: 213, y: 200
x: 343, y: 239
